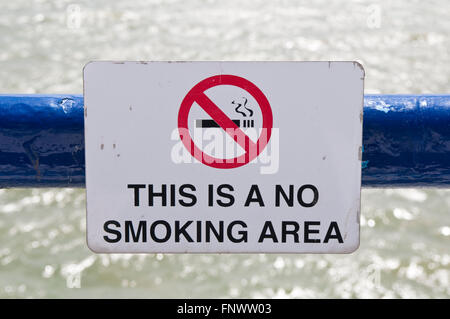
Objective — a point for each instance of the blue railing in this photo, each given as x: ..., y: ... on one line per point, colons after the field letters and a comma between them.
x: 406, y: 141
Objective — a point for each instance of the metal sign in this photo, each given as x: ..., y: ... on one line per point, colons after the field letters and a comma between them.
x: 223, y: 156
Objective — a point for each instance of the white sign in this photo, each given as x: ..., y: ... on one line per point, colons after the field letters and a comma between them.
x: 223, y: 156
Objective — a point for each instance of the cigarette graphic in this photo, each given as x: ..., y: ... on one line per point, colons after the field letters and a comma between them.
x: 212, y: 123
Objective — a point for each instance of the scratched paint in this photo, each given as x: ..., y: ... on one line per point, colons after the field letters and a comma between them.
x: 41, y: 140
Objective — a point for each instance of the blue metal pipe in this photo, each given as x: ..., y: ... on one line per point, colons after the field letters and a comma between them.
x: 406, y: 141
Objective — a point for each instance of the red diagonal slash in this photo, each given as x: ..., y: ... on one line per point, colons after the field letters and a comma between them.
x: 225, y: 122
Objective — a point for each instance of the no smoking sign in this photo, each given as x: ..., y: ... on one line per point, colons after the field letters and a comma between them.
x: 223, y: 156
x: 197, y: 94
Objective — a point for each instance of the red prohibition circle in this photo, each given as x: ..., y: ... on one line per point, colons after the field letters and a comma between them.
x: 196, y: 94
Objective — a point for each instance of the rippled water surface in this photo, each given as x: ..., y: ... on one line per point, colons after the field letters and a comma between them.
x: 405, y: 234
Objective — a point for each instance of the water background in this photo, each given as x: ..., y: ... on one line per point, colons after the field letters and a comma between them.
x: 405, y: 233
